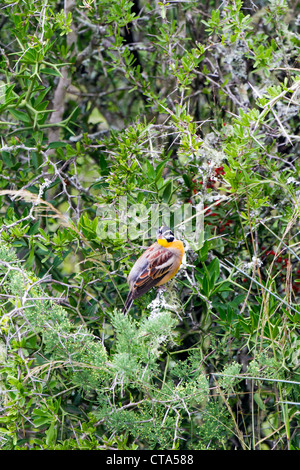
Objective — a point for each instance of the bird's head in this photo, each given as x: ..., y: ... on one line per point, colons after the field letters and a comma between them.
x: 164, y: 235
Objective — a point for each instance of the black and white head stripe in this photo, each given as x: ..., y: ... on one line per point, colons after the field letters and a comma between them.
x: 166, y: 233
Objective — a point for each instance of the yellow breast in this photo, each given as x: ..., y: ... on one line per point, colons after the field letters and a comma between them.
x: 178, y: 249
x: 177, y: 244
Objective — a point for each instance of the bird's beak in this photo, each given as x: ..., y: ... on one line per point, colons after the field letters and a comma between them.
x: 158, y: 235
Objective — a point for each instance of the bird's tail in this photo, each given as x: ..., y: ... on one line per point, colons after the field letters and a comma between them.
x: 128, y: 303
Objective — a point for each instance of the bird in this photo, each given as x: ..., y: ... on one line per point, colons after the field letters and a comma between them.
x: 157, y: 265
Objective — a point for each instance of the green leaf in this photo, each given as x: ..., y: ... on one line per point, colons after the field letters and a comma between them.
x: 214, y: 268
x: 259, y: 401
x: 8, y: 159
x: 167, y: 193
x: 41, y: 95
x: 48, y: 71
x: 206, y: 285
x: 51, y: 434
x: 159, y: 171
x: 203, y: 252
x: 20, y: 115
x: 55, y: 145
x: 150, y: 170
x: 187, y: 179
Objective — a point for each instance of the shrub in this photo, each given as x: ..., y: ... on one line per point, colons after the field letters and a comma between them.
x: 114, y: 114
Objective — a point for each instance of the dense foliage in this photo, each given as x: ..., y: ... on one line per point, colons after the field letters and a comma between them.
x: 114, y: 116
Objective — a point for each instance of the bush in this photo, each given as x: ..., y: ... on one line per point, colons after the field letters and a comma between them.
x: 117, y: 116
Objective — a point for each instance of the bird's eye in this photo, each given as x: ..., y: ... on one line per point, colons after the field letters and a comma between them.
x: 170, y: 237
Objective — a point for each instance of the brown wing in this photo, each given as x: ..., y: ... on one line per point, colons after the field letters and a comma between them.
x: 157, y: 263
